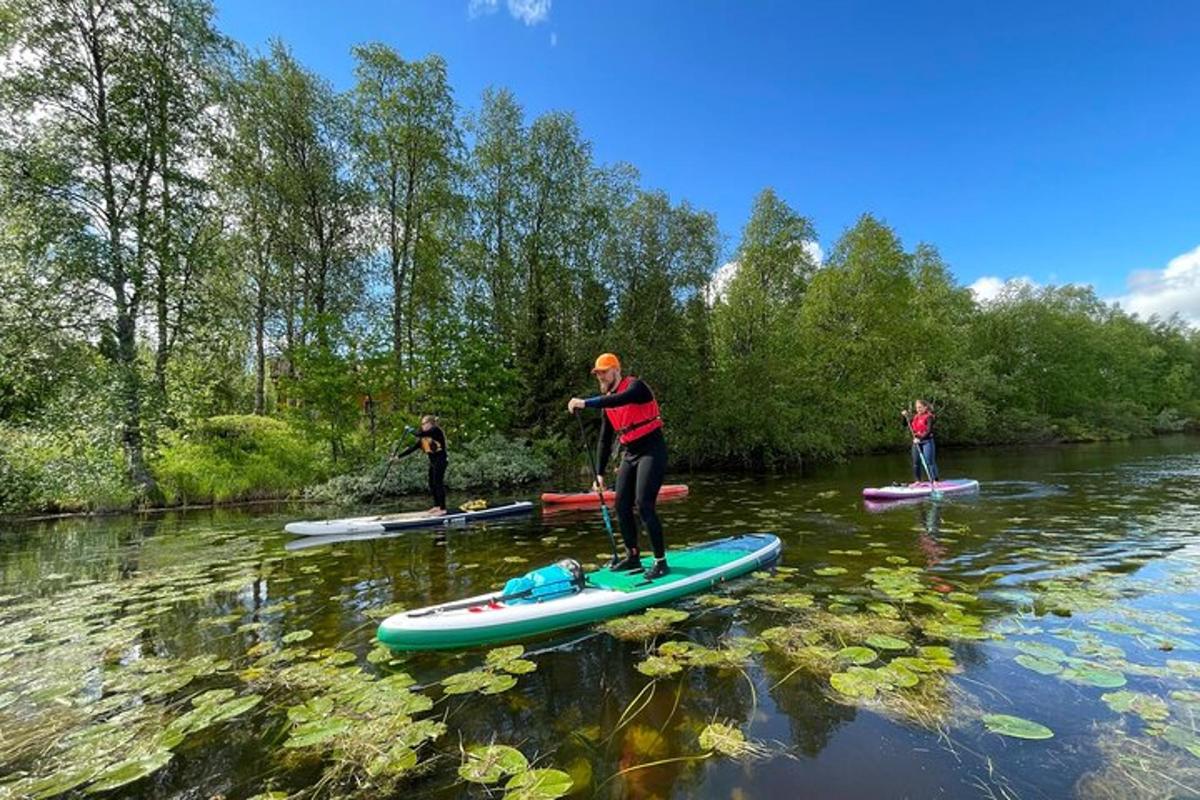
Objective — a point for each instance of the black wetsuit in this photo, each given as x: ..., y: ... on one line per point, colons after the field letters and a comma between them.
x: 642, y: 469
x: 433, y: 442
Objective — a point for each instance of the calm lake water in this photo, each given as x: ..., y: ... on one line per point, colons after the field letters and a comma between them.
x: 192, y: 655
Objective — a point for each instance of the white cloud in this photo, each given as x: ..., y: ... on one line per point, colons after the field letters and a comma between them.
x: 989, y: 287
x: 813, y: 248
x: 720, y: 282
x: 480, y: 8
x: 1175, y: 289
x: 531, y: 12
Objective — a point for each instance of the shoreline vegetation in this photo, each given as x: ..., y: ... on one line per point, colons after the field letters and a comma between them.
x: 356, y: 489
x: 223, y: 278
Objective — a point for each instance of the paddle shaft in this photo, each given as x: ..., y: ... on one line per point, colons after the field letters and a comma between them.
x: 386, y: 471
x: 612, y: 540
x: 933, y: 490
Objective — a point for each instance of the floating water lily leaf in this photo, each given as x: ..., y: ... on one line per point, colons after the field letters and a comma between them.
x: 647, y: 625
x: 538, y: 784
x: 296, y: 636
x: 395, y: 761
x: 884, y: 610
x: 130, y: 770
x: 502, y: 654
x: 1186, y: 696
x: 498, y: 683
x: 936, y: 653
x: 317, y: 731
x: 1018, y: 728
x: 316, y: 708
x: 515, y: 559
x: 1091, y: 675
x: 659, y: 666
x: 519, y: 666
x: 856, y: 682
x: 723, y: 739
x: 54, y: 785
x: 896, y: 560
x: 897, y: 675
x: 716, y: 601
x: 1146, y: 706
x: 828, y: 572
x: 213, y: 696
x: 466, y: 682
x: 1040, y: 650
x: 1183, y: 738
x: 881, y: 641
x: 915, y: 664
x: 490, y: 763
x: 856, y: 655
x: 1039, y: 665
x: 1188, y: 669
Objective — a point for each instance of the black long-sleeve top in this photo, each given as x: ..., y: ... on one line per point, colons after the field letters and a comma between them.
x: 432, y: 441
x: 636, y: 392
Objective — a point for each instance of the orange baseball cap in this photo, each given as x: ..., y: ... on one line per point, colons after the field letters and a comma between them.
x: 606, y: 361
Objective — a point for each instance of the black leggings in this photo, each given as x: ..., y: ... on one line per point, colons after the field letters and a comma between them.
x: 437, y: 480
x: 638, y: 481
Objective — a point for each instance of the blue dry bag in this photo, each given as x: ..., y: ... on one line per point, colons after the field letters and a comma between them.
x: 556, y: 580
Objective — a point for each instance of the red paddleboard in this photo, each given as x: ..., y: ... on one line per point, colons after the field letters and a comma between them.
x: 592, y: 499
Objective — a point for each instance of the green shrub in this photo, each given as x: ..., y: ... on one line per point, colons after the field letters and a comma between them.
x: 63, y: 470
x: 227, y: 458
x: 488, y: 463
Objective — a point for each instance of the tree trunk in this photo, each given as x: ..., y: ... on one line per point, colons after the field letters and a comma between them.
x: 125, y: 306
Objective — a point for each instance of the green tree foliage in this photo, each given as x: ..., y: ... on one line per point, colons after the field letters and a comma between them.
x: 191, y: 233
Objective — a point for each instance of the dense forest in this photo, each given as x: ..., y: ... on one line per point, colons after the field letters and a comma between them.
x: 213, y: 259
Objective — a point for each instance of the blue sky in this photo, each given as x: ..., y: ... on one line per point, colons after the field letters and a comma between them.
x: 1059, y: 142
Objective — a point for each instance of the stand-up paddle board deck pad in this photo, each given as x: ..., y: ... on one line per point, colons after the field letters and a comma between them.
x: 386, y: 523
x: 907, y: 491
x: 593, y: 499
x: 487, y: 620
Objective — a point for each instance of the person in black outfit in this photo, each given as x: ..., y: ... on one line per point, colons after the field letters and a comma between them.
x: 431, y: 439
x: 631, y: 415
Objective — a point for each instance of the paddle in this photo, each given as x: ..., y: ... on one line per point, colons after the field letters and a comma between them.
x: 386, y: 471
x: 934, y: 493
x: 612, y: 540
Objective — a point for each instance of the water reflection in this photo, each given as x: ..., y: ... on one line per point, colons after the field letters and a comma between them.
x: 1074, y: 569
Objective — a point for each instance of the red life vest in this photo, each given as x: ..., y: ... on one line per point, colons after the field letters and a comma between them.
x: 635, y: 420
x: 921, y: 424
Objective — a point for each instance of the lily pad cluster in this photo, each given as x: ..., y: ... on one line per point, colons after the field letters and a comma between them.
x: 673, y: 657
x: 647, y: 625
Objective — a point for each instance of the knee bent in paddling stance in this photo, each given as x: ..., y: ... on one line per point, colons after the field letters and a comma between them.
x: 631, y: 416
x: 920, y: 424
x: 432, y: 441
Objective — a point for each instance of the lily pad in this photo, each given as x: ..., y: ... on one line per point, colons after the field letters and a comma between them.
x: 1016, y: 727
x: 881, y: 641
x: 317, y: 732
x: 503, y: 654
x: 716, y: 601
x: 1091, y: 675
x: 296, y: 636
x: 467, y: 682
x: 723, y: 739
x: 1183, y: 738
x: 828, y: 572
x: 489, y: 763
x: 856, y: 682
x: 538, y: 784
x: 130, y: 770
x: 659, y: 666
x: 1040, y: 650
x: 1041, y: 666
x: 498, y: 683
x: 856, y: 655
x: 1146, y: 706
x: 898, y: 675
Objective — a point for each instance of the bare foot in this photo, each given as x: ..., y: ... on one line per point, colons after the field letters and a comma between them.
x: 437, y: 512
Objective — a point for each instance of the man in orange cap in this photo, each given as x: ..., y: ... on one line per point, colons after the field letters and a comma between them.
x: 630, y: 414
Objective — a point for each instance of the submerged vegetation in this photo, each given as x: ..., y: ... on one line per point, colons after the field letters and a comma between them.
x: 451, y: 255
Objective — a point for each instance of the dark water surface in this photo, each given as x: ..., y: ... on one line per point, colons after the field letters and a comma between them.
x: 1066, y: 594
